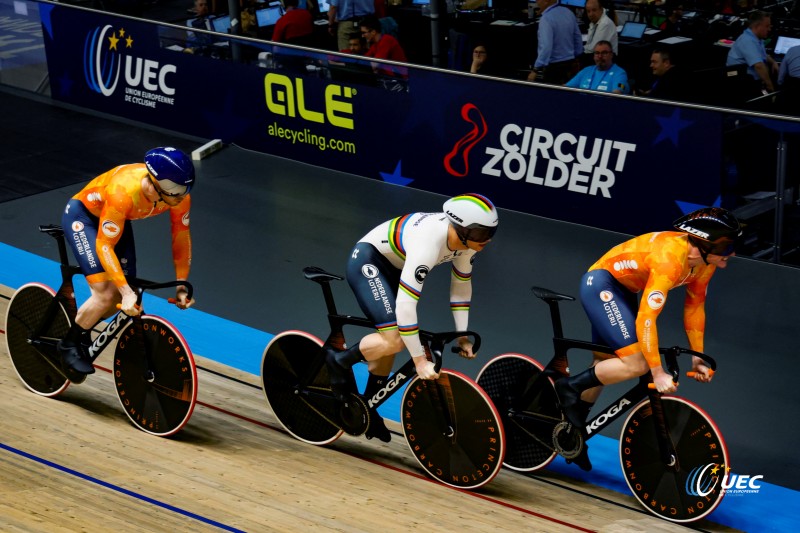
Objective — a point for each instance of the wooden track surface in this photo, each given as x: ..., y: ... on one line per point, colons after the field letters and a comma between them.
x: 75, y: 463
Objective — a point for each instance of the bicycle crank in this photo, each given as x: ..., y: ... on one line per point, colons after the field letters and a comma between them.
x: 354, y: 416
x: 566, y: 440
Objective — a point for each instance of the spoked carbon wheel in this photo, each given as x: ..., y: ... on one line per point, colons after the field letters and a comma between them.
x: 529, y: 431
x: 26, y: 311
x: 695, y: 489
x: 161, y: 403
x: 453, y: 430
x: 304, y: 405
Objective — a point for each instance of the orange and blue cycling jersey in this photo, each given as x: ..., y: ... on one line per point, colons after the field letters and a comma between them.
x: 97, y: 225
x: 652, y: 264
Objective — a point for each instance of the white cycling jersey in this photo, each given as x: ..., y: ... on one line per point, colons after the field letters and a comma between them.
x: 415, y: 244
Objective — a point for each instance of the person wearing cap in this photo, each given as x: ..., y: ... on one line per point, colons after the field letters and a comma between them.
x: 387, y: 270
x: 97, y: 226
x: 624, y: 292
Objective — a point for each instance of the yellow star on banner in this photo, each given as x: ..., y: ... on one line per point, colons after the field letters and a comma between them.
x: 129, y: 42
x: 715, y: 469
x: 113, y: 40
x: 122, y: 32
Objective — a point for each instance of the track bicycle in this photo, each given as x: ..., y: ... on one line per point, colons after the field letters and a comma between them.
x: 671, y: 452
x: 450, y: 425
x: 154, y: 371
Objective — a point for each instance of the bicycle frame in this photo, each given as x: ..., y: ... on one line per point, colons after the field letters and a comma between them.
x: 558, y: 368
x: 397, y: 379
x: 66, y: 298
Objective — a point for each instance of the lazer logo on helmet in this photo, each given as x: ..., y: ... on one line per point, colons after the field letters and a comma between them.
x: 286, y: 96
x: 455, y: 217
x: 694, y: 231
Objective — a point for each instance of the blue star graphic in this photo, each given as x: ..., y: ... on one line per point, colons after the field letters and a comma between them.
x: 670, y: 127
x: 396, y: 177
x: 688, y: 207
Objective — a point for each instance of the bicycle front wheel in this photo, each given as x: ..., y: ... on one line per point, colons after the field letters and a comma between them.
x: 303, y: 404
x: 695, y: 489
x: 26, y: 311
x: 453, y: 429
x: 158, y: 395
x: 529, y: 429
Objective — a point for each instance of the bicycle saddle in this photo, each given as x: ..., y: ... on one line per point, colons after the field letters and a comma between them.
x: 319, y: 275
x: 547, y: 294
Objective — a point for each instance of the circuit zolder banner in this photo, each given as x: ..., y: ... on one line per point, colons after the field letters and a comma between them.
x: 613, y: 163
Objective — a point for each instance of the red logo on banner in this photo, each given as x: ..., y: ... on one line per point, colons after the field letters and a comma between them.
x: 464, y: 145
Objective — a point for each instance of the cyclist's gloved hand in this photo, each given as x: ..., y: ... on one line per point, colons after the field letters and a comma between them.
x: 663, y: 380
x: 465, y: 348
x: 128, y: 305
x: 702, y: 372
x: 425, y: 369
x: 181, y: 298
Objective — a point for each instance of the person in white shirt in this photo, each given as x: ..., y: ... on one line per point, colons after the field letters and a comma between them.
x: 601, y: 28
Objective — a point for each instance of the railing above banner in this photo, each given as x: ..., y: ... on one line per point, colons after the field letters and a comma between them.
x: 625, y: 164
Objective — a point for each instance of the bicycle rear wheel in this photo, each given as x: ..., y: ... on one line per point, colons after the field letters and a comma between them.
x: 309, y: 413
x: 693, y: 491
x: 529, y: 439
x: 162, y: 406
x: 25, y: 313
x: 470, y: 454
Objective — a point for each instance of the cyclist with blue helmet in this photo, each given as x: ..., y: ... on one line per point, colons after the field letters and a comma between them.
x: 386, y: 271
x: 97, y: 226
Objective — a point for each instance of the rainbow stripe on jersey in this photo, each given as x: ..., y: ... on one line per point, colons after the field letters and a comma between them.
x: 396, y: 228
x: 411, y: 329
x: 461, y: 276
x: 408, y: 289
x: 459, y: 306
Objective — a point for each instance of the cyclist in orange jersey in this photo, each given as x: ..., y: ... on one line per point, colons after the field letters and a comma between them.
x: 97, y: 227
x: 651, y: 264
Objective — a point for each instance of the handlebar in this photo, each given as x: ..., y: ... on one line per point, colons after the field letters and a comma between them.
x: 144, y: 285
x: 437, y: 341
x: 671, y: 359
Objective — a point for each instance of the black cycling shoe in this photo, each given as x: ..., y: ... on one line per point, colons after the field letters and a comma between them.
x: 340, y: 375
x: 377, y: 427
x: 570, y: 397
x: 75, y: 363
x: 582, y: 460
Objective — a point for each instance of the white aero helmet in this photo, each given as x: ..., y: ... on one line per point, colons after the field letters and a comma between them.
x: 473, y: 216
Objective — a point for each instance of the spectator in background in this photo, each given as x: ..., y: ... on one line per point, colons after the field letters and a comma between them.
x: 670, y: 81
x: 672, y: 24
x: 356, y: 45
x: 601, y: 28
x: 790, y: 66
x: 749, y: 50
x: 789, y: 81
x: 481, y: 62
x: 604, y: 76
x: 560, y: 44
x: 295, y: 26
x: 381, y: 46
x: 344, y: 17
x: 199, y: 43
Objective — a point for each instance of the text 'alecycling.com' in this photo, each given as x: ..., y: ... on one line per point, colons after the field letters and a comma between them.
x: 305, y: 136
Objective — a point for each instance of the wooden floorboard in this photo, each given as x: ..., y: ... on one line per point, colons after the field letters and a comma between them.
x: 75, y: 463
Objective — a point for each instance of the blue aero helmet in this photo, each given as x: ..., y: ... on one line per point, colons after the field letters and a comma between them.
x: 172, y: 169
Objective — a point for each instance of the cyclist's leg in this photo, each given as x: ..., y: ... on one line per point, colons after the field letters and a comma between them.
x: 374, y: 282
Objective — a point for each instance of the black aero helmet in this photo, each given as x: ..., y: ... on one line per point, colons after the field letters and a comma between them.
x: 713, y: 230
